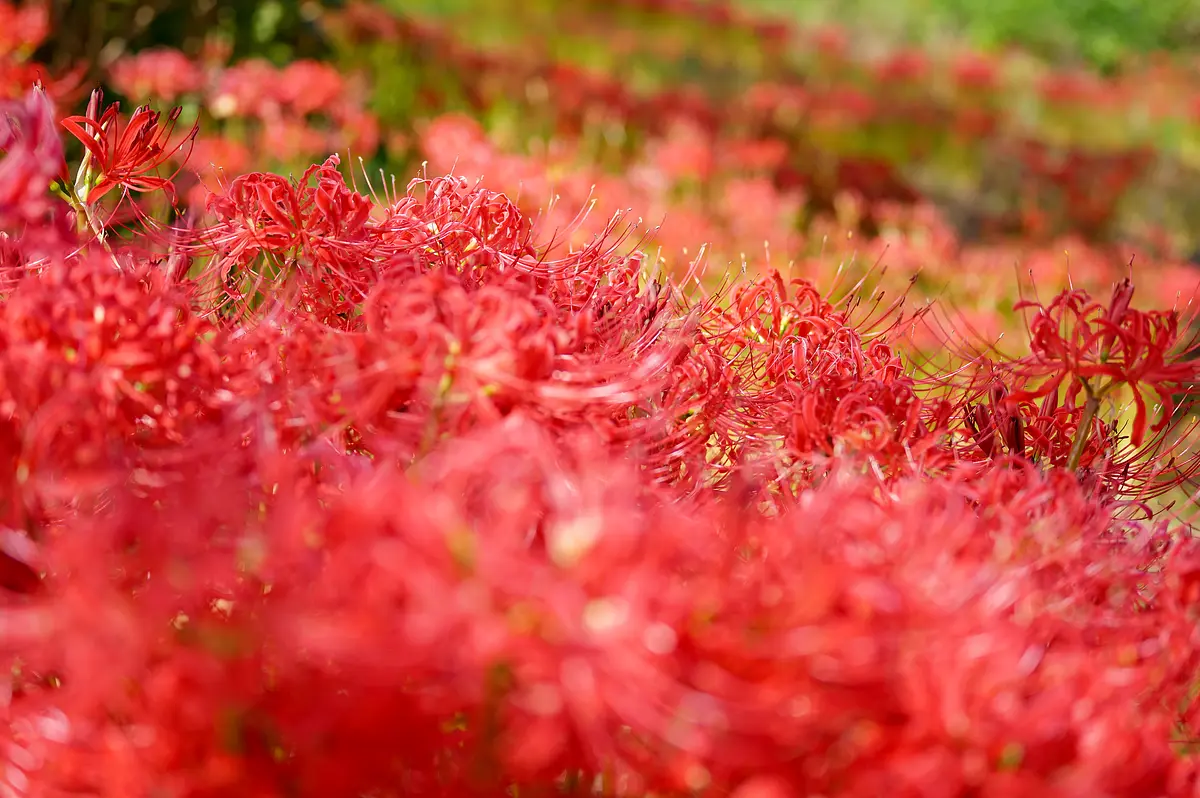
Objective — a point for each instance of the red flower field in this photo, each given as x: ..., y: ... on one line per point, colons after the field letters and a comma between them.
x: 653, y: 440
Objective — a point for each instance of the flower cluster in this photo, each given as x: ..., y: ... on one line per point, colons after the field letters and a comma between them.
x: 24, y: 27
x: 1045, y: 151
x: 254, y: 112
x: 332, y: 492
x: 796, y: 150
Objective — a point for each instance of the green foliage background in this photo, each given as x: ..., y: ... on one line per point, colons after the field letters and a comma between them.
x: 1101, y: 33
x: 97, y: 31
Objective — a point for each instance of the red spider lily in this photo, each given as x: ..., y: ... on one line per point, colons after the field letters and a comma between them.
x: 1079, y: 342
x: 999, y: 422
x: 126, y: 154
x: 33, y: 157
x: 448, y: 508
x: 1042, y: 433
x: 159, y: 73
x: 25, y: 26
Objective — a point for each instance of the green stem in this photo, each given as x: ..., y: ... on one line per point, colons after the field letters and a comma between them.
x: 1084, y: 431
x: 88, y: 220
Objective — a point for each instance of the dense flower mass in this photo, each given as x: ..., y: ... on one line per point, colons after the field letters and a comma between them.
x: 316, y: 485
x: 318, y: 492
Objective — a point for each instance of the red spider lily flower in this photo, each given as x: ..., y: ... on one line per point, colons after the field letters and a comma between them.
x: 33, y: 157
x: 161, y: 73
x: 1079, y: 342
x: 93, y: 355
x: 450, y: 510
x: 985, y: 426
x: 1038, y: 433
x: 23, y: 27
x: 126, y: 155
